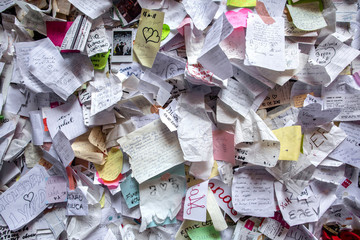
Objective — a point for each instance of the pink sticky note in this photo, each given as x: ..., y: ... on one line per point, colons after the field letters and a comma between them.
x: 238, y: 19
x: 56, y: 31
x: 111, y: 185
x: 223, y: 146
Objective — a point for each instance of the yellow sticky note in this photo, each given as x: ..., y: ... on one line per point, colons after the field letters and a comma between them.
x: 241, y: 3
x: 102, y: 200
x: 99, y: 60
x: 148, y: 37
x: 290, y: 142
x: 113, y: 165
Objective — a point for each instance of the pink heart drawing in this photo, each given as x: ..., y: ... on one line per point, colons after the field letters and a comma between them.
x: 151, y: 35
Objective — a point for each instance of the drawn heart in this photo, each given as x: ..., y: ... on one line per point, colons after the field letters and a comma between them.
x: 172, y: 69
x: 324, y: 55
x: 28, y: 197
x: 274, y: 96
x: 151, y: 35
x: 163, y: 186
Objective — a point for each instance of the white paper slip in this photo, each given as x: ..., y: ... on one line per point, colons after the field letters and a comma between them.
x: 92, y: 8
x: 201, y: 11
x: 195, y: 202
x: 25, y: 200
x: 349, y: 150
x: 253, y: 193
x: 23, y: 50
x: 265, y: 44
x: 77, y: 35
x: 68, y: 118
x: 47, y: 64
x: 152, y: 150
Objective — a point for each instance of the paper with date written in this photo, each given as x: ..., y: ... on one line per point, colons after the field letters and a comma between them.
x: 24, y: 200
x: 47, y: 64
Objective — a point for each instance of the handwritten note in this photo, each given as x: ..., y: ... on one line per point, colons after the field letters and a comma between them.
x: 130, y: 192
x: 195, y: 202
x: 113, y: 165
x: 160, y: 198
x: 307, y: 16
x: 97, y: 41
x: 67, y: 118
x: 265, y: 44
x: 240, y: 103
x: 169, y: 117
x: 253, y: 193
x: 348, y: 151
x: 24, y: 200
x: 201, y: 12
x: 319, y: 143
x: 56, y: 189
x: 92, y: 8
x: 223, y: 146
x: 23, y: 50
x: 148, y: 37
x: 6, y: 4
x: 222, y: 193
x: 293, y: 210
x: 77, y: 204
x: 212, y: 57
x: 208, y: 233
x: 63, y: 148
x: 108, y: 94
x: 334, y: 55
x: 152, y: 150
x: 312, y: 115
x: 167, y: 66
x: 47, y: 64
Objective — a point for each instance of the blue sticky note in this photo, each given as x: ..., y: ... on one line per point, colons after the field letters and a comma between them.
x: 130, y: 192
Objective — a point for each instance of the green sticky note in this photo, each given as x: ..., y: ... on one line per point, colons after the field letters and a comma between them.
x: 204, y: 233
x: 321, y: 5
x: 241, y: 3
x: 99, y: 60
x: 165, y: 31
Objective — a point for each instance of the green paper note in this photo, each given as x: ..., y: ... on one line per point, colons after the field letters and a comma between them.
x: 165, y: 31
x: 99, y: 60
x: 241, y: 3
x: 204, y: 233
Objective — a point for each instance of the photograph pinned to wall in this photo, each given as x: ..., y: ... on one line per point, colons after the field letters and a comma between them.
x: 126, y: 10
x: 122, y: 48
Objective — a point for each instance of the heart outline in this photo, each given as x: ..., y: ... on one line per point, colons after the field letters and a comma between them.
x: 28, y: 197
x: 147, y: 37
x: 163, y: 186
